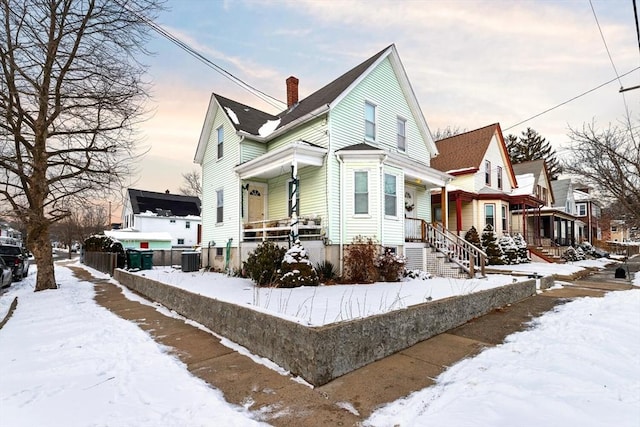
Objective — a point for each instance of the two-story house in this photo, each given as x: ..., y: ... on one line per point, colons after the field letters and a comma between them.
x: 484, y: 179
x: 589, y: 211
x: 154, y: 212
x: 351, y: 159
x: 532, y: 212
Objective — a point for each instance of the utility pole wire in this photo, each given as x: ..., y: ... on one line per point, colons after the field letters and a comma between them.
x: 572, y: 99
x: 191, y: 51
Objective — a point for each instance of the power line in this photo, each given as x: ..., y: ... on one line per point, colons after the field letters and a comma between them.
x: 606, y: 47
x: 191, y: 51
x: 572, y: 99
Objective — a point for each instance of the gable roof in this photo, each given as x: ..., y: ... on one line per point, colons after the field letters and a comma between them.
x: 561, y: 188
x: 463, y: 153
x: 165, y: 204
x: 247, y: 119
x: 309, y: 107
x: 532, y: 166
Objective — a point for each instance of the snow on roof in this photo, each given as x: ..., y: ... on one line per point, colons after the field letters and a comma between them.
x: 232, y: 115
x: 268, y: 128
x: 525, y: 185
x: 136, y: 235
x: 458, y: 171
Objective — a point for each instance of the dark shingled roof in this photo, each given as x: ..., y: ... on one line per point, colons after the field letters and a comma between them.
x: 172, y: 204
x: 252, y: 119
x: 328, y: 93
x: 463, y: 151
x: 360, y: 147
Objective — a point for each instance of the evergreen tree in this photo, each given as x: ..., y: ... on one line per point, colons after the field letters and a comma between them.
x: 473, y: 237
x: 509, y: 249
x: 521, y: 244
x: 531, y: 146
x: 491, y: 246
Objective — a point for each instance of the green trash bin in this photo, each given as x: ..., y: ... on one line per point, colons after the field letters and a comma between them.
x: 133, y: 259
x: 147, y: 260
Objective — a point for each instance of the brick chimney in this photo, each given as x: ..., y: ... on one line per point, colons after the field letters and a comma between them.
x: 292, y: 91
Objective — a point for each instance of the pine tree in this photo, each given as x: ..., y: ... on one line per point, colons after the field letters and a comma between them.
x: 531, y: 146
x: 473, y: 237
x: 491, y: 247
x: 523, y: 252
x: 509, y: 249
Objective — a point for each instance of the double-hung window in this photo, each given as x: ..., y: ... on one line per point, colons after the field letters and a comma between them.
x: 504, y: 219
x: 361, y: 193
x: 369, y: 121
x: 487, y: 172
x: 402, y: 134
x: 220, y: 132
x: 390, y: 195
x: 219, y: 206
x: 490, y: 215
x: 499, y: 175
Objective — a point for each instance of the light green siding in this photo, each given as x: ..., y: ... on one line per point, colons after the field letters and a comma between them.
x: 346, y: 128
x: 251, y: 149
x: 313, y: 198
x: 315, y: 132
x: 219, y: 174
x: 367, y: 225
x: 393, y: 226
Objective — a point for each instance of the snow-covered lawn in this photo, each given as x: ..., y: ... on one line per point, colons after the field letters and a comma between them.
x: 64, y: 360
x: 321, y: 305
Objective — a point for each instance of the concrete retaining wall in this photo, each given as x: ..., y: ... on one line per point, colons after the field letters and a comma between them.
x: 320, y: 354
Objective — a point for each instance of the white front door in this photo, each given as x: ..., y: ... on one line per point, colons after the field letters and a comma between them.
x: 256, y: 197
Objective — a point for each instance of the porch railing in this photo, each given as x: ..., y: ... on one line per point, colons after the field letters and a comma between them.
x: 471, y: 259
x: 280, y: 229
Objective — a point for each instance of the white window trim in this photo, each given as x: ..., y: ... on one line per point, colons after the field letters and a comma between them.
x: 375, y: 121
x: 384, y: 195
x: 368, y: 214
x: 404, y: 121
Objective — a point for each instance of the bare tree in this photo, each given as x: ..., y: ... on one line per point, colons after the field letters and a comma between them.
x: 71, y: 94
x: 191, y: 184
x: 609, y: 160
x: 82, y: 222
x: 447, y: 132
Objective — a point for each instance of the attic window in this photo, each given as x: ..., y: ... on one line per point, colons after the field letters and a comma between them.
x: 402, y: 134
x: 220, y: 132
x: 369, y: 121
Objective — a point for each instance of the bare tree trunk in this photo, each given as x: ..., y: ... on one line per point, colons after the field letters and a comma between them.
x: 43, y: 253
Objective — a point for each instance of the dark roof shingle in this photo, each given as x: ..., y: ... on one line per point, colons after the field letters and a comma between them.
x: 176, y: 204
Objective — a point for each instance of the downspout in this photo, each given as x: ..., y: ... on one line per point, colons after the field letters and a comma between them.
x: 341, y: 215
x: 240, y: 217
x: 382, y: 211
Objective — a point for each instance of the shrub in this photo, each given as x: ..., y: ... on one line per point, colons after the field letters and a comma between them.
x: 326, y: 271
x: 473, y: 237
x: 417, y: 274
x: 360, y: 260
x: 523, y: 251
x: 102, y: 243
x: 390, y: 266
x: 491, y: 247
x: 296, y: 269
x: 263, y: 264
x: 509, y: 249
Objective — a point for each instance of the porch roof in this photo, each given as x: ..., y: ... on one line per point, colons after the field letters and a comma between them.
x: 279, y: 161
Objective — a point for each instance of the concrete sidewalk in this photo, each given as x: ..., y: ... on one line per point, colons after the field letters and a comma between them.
x: 346, y: 401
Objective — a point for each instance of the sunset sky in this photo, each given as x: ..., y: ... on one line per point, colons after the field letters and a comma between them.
x: 471, y: 63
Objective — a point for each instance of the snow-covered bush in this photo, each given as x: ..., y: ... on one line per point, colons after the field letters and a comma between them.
x: 390, y: 266
x: 417, y: 274
x: 296, y: 270
x: 360, y: 260
x: 473, y: 237
x: 571, y: 254
x: 521, y: 244
x: 509, y: 249
x: 491, y: 247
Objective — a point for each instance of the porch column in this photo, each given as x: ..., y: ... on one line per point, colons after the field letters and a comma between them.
x: 458, y: 213
x: 293, y: 236
x: 444, y: 207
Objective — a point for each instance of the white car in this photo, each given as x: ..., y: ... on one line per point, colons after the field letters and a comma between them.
x: 6, y: 274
